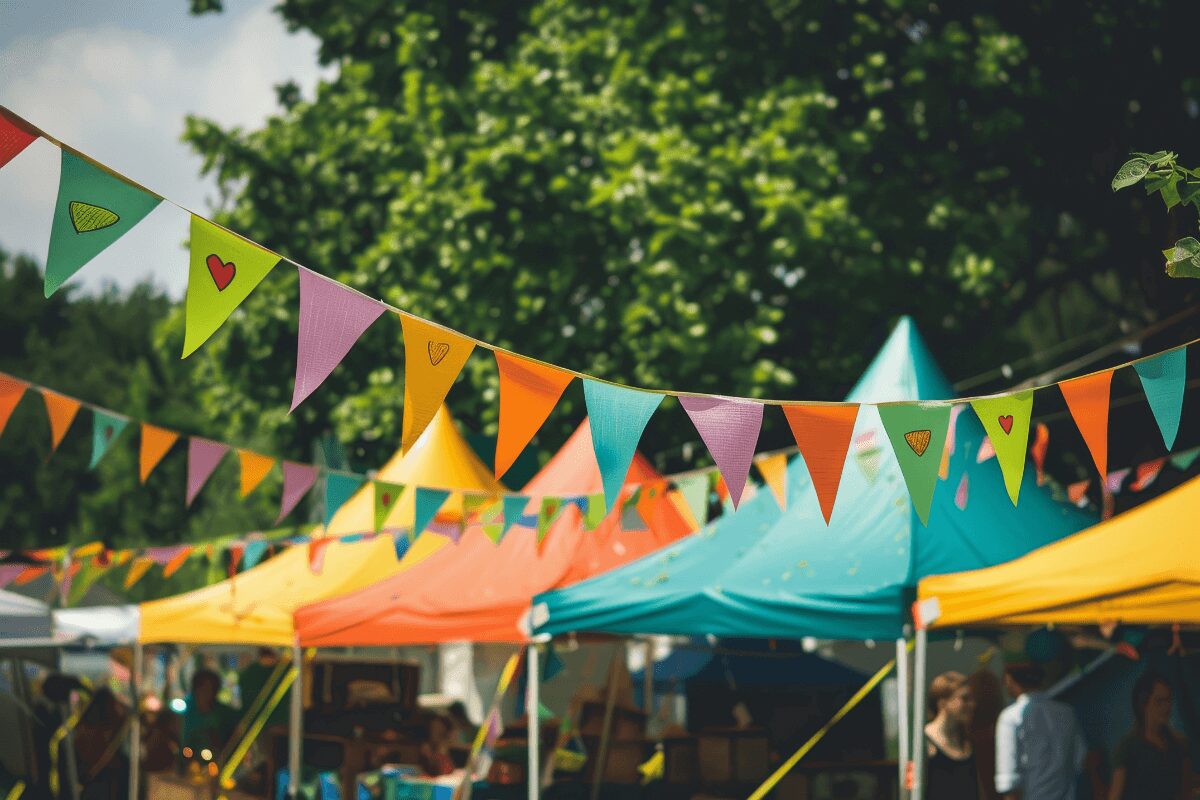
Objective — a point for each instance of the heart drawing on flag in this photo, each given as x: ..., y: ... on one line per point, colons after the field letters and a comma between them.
x: 437, y: 352
x: 222, y: 273
x: 918, y: 441
x: 387, y: 499
x: 1006, y: 422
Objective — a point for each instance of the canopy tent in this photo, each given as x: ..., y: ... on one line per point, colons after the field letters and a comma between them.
x: 23, y: 618
x: 101, y: 626
x: 1142, y: 567
x: 480, y: 591
x: 256, y: 606
x: 762, y: 572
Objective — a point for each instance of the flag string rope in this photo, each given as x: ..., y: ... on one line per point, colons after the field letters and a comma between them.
x: 496, y: 348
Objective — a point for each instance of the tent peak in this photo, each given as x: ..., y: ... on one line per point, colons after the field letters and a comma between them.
x: 903, y: 369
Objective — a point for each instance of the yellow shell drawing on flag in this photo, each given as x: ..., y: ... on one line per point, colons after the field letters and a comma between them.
x: 86, y: 217
x: 918, y: 441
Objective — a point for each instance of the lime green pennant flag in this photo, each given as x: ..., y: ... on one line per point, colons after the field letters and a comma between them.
x: 595, y: 512
x: 386, y: 496
x: 106, y: 428
x: 492, y: 519
x: 694, y: 490
x: 549, y: 511
x: 94, y: 209
x: 1005, y: 419
x: 917, y: 432
x: 223, y: 270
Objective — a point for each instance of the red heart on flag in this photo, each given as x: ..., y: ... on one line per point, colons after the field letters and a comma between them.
x: 222, y: 273
x: 387, y: 499
x: 1006, y: 422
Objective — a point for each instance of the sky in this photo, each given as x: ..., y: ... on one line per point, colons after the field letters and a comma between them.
x: 115, y: 79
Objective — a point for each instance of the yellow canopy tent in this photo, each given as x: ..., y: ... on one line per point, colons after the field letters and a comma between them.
x: 1142, y: 567
x: 256, y: 607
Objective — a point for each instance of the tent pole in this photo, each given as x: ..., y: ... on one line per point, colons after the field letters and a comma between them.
x: 920, y: 668
x: 533, y: 704
x: 135, y: 724
x: 902, y: 711
x: 296, y: 723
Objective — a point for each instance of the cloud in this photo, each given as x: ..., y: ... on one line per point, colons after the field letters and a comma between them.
x: 120, y: 95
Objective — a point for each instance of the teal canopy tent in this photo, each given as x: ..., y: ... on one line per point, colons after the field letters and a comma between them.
x: 763, y: 572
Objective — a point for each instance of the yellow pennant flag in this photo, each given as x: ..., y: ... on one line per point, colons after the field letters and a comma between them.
x: 254, y: 468
x: 773, y: 469
x: 433, y: 357
x: 137, y: 569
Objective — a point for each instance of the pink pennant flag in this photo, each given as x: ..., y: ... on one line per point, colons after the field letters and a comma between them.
x: 1147, y: 473
x: 494, y: 728
x: 729, y: 429
x: 203, y: 457
x: 1041, y: 441
x: 297, y: 480
x: 1113, y: 482
x: 960, y: 496
x: 332, y: 318
x: 986, y: 450
x: 8, y: 572
x: 166, y: 554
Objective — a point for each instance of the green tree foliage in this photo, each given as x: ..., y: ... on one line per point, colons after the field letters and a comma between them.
x: 1177, y: 186
x: 730, y: 197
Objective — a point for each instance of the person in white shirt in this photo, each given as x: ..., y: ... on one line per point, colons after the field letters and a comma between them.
x: 1039, y: 746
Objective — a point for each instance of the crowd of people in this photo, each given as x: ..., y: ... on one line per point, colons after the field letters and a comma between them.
x: 1037, y: 747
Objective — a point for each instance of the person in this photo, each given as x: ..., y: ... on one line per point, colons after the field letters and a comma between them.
x: 464, y: 728
x: 99, y: 740
x: 207, y: 722
x: 1039, y: 745
x: 434, y: 755
x: 1152, y: 760
x: 950, y: 765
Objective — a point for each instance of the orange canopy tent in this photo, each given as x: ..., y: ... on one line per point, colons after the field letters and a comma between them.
x: 480, y: 591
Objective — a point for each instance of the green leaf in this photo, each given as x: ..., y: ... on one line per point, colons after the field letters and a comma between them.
x: 1170, y: 193
x: 1189, y: 268
x: 1183, y: 260
x: 1130, y: 173
x: 1189, y: 193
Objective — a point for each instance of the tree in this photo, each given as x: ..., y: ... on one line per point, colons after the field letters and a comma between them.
x: 728, y: 197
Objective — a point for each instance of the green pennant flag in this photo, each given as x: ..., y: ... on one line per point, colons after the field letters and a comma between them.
x: 1183, y: 461
x: 223, y: 270
x: 492, y: 518
x: 1005, y: 419
x: 339, y: 487
x: 694, y: 490
x: 386, y: 497
x: 917, y: 432
x: 595, y: 512
x: 514, y: 507
x: 106, y: 428
x: 94, y: 209
x: 550, y: 509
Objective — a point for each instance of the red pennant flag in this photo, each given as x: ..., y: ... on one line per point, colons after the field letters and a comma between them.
x: 528, y: 393
x: 1077, y: 492
x: 15, y: 136
x: 316, y: 555
x: 235, y: 557
x: 1041, y: 442
x: 823, y: 435
x: 1147, y: 473
x: 1087, y: 400
x: 11, y: 392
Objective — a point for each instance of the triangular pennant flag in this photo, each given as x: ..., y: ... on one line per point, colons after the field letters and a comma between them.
x: 386, y: 496
x: 1183, y: 461
x: 223, y: 270
x: 1077, y: 492
x: 514, y: 507
x: 316, y: 553
x: 917, y: 432
x: 618, y: 418
x: 1006, y: 420
x: 1041, y: 443
x: 1147, y: 473
x: 155, y: 444
x: 428, y: 503
x: 493, y: 520
x: 61, y: 410
x: 203, y: 457
x: 8, y: 572
x: 1164, y: 378
x: 960, y: 496
x: 332, y: 318
x: 595, y: 512
x: 694, y: 491
x: 528, y: 393
x: 254, y: 468
x: 823, y: 435
x: 339, y: 487
x: 15, y: 136
x: 94, y: 209
x: 172, y: 566
x: 11, y: 392
x: 297, y: 480
x: 433, y: 357
x: 138, y: 568
x: 106, y: 428
x: 548, y: 512
x: 235, y: 557
x: 553, y: 664
x: 1114, y: 480
x: 1087, y: 400
x: 255, y: 550
x: 729, y: 428
x: 30, y: 574
x: 401, y: 541
x: 773, y: 469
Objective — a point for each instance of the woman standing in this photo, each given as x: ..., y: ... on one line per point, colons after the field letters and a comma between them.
x: 950, y: 759
x: 1152, y: 760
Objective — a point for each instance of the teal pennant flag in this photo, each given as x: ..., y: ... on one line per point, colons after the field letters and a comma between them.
x: 428, y: 503
x: 618, y: 417
x: 105, y: 430
x: 1164, y: 378
x: 339, y: 487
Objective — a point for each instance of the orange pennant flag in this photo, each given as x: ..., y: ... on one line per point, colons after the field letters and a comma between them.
x: 31, y: 574
x: 823, y: 435
x: 172, y: 566
x: 433, y: 357
x: 254, y: 468
x: 137, y: 569
x: 155, y: 444
x: 528, y: 393
x: 773, y: 469
x: 11, y: 392
x: 61, y: 410
x: 1087, y: 399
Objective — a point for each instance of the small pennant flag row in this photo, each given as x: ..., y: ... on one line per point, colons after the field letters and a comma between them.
x: 96, y: 206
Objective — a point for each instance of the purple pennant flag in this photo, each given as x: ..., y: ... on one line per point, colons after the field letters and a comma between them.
x: 10, y: 571
x: 297, y: 480
x: 164, y: 555
x: 729, y: 429
x: 332, y: 318
x: 203, y: 457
